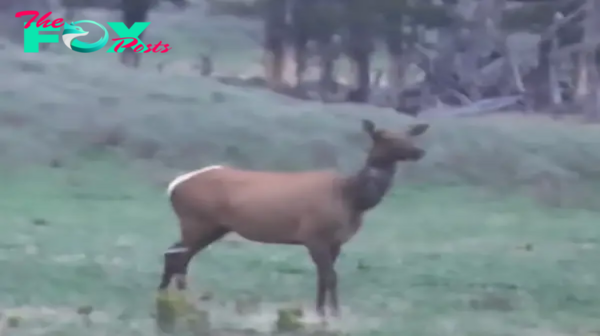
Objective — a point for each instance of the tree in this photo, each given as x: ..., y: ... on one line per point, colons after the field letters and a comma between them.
x: 588, y: 90
x: 470, y: 61
x: 275, y: 36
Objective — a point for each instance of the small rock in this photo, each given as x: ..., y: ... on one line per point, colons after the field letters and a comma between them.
x: 31, y: 249
x: 107, y: 101
x: 323, y: 332
x: 217, y: 97
x: 85, y: 310
x: 288, y: 320
x: 526, y: 247
x: 56, y: 163
x: 492, y: 302
x: 170, y: 307
x: 362, y: 266
x: 27, y: 66
x: 235, y: 332
x: 14, y: 321
x: 247, y: 306
x: 206, y: 296
x: 125, y: 315
x: 39, y: 222
x: 296, y: 311
x: 198, y: 322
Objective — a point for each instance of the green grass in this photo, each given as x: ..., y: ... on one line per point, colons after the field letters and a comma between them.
x: 446, y: 260
x: 493, y: 233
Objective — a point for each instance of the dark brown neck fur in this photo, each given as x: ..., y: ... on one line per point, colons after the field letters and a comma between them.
x: 366, y: 188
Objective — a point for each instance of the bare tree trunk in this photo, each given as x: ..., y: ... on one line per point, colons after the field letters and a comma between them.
x: 554, y: 93
x: 359, y: 15
x: 480, y: 43
x: 511, y: 81
x: 588, y: 90
x: 275, y: 31
x: 541, y: 86
x: 361, y: 64
x: 302, y: 26
x: 329, y: 53
x: 581, y: 77
x: 329, y: 44
x: 300, y: 56
x: 394, y: 39
x: 442, y: 74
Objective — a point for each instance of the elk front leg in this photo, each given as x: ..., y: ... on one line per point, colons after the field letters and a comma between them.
x: 333, y: 293
x: 322, y: 257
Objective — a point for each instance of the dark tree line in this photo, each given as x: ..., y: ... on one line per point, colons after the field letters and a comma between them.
x: 469, y: 61
x: 360, y: 25
x: 356, y: 24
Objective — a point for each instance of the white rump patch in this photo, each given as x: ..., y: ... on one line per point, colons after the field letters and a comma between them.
x: 187, y: 176
x: 174, y: 250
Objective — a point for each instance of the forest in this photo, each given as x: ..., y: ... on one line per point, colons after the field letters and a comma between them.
x: 469, y: 54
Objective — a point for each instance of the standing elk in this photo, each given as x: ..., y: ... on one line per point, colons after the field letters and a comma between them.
x: 320, y: 210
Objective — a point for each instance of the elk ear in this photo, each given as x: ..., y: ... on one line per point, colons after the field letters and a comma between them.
x: 418, y: 129
x: 368, y: 127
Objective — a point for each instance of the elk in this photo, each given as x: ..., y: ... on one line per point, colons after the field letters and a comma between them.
x: 320, y: 210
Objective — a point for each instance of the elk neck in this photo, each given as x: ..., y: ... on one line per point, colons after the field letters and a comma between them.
x: 367, y: 187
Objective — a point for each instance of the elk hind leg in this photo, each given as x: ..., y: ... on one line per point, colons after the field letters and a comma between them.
x: 172, y: 263
x: 179, y: 255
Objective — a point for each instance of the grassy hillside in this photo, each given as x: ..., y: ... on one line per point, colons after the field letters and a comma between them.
x: 59, y: 108
x: 493, y: 233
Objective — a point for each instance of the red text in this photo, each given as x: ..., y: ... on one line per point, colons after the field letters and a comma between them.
x: 43, y: 21
x: 157, y: 48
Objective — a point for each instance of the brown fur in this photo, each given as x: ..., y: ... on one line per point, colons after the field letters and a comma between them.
x: 257, y: 207
x: 321, y: 210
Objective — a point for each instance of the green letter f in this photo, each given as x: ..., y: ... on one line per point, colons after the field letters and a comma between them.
x: 32, y: 37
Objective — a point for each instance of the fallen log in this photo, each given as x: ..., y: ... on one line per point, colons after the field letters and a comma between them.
x: 477, y: 108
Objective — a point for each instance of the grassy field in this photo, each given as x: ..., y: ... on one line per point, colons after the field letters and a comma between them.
x: 493, y: 233
x: 431, y: 261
